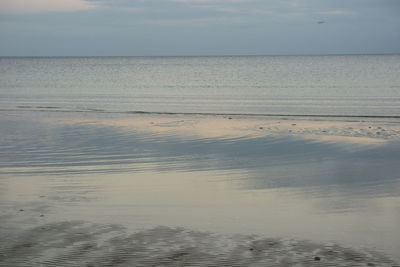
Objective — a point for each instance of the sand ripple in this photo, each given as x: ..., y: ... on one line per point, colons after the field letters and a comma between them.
x: 85, y: 244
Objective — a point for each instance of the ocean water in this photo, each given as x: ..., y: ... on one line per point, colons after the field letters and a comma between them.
x: 359, y: 85
x: 136, y: 162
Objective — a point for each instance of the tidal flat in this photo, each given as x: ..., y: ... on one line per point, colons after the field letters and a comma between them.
x: 178, y: 190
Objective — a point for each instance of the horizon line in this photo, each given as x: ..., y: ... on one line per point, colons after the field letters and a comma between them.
x: 227, y: 55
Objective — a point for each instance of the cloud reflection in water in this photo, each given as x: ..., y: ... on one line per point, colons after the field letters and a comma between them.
x: 32, y: 147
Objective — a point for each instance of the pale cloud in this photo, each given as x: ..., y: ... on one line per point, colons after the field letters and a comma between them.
x: 195, y: 21
x: 210, y: 1
x: 224, y: 9
x: 37, y: 6
x: 334, y: 12
x: 295, y: 4
x: 261, y: 11
x: 234, y: 9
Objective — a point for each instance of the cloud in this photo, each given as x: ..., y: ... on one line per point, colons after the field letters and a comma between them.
x: 38, y: 6
x: 210, y: 1
x: 334, y: 12
x: 194, y: 21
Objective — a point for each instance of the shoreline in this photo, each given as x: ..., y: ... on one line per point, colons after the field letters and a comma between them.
x: 341, y: 117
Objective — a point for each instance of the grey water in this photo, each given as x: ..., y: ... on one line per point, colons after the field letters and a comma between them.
x: 352, y: 85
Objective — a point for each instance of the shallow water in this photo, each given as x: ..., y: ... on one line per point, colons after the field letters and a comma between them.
x: 61, y: 168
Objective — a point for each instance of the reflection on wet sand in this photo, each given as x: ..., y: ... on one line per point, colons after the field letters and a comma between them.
x: 209, y: 174
x: 364, y: 132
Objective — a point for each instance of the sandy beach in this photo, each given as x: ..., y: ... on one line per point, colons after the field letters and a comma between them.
x: 147, y: 190
x: 241, y: 126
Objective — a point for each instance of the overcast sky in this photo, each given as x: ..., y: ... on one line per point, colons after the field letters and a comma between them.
x: 198, y: 27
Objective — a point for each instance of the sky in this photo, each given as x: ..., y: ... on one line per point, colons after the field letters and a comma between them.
x: 198, y: 27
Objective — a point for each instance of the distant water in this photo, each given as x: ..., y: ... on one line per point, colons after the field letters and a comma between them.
x: 357, y: 85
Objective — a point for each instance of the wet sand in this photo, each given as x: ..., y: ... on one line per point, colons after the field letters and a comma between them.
x: 241, y: 126
x: 198, y: 191
x: 76, y: 243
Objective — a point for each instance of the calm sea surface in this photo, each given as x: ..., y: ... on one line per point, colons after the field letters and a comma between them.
x: 90, y: 139
x: 290, y: 85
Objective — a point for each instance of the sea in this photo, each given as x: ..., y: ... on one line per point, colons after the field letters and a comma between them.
x: 203, y: 161
x: 348, y: 85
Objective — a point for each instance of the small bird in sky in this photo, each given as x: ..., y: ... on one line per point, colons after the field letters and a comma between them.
x: 321, y: 22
